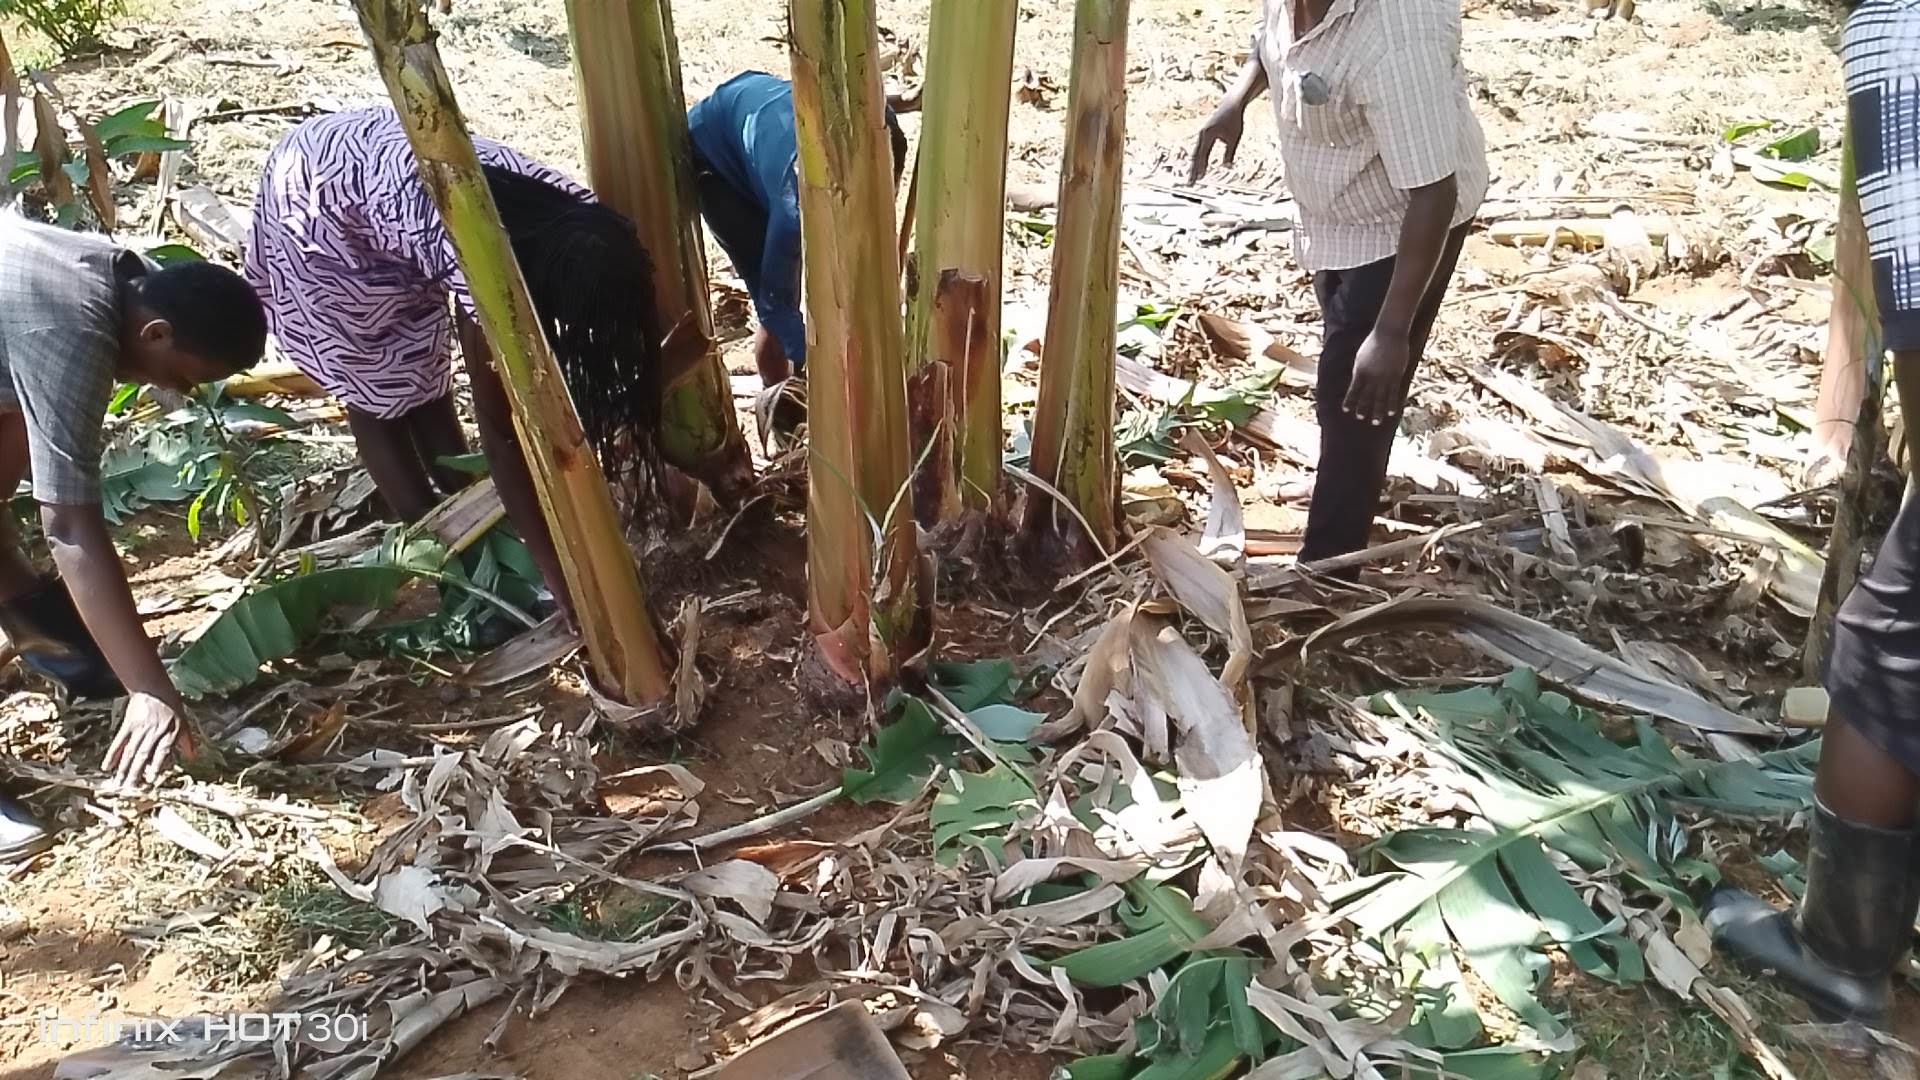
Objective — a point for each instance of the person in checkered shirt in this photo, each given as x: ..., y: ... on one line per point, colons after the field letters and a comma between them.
x: 79, y: 313
x: 1387, y: 167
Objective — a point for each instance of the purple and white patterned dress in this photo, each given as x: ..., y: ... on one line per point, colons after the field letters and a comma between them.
x: 353, y: 263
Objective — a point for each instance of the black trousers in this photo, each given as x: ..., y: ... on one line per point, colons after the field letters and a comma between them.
x: 1354, y: 452
x: 738, y: 224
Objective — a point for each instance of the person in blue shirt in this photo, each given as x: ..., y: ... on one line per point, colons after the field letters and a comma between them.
x: 744, y: 151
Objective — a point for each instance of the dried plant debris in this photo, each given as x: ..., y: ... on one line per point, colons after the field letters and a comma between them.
x: 1115, y: 881
x: 1367, y: 830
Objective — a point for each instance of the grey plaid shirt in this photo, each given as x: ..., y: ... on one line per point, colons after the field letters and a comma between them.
x: 1371, y: 103
x: 59, y: 348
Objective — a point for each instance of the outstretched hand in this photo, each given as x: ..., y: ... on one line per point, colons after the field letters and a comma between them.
x: 151, y: 732
x: 1224, y: 129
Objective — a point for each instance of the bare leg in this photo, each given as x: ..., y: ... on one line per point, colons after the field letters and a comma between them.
x: 437, y: 435
x: 394, y: 462
x: 509, y: 464
x: 1863, y: 783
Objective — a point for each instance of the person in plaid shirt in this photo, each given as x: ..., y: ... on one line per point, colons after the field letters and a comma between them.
x: 79, y: 313
x: 1387, y: 167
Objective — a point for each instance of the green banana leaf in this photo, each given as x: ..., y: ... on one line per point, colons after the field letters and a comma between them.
x: 1554, y: 793
x: 975, y: 810
x: 1164, y: 927
x: 974, y: 684
x: 274, y: 622
x: 901, y: 757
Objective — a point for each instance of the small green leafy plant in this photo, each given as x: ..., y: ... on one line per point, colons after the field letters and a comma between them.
x: 497, y: 570
x: 71, y: 26
x: 188, y: 456
x: 127, y: 133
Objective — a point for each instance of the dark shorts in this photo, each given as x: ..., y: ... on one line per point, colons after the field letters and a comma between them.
x: 1873, y: 670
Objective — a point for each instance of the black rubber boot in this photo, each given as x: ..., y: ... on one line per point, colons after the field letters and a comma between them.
x: 1912, y: 903
x: 1838, y: 948
x: 45, y: 628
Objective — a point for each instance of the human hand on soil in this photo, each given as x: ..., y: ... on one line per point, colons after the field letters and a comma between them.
x: 1374, y: 395
x: 1224, y: 129
x: 150, y: 733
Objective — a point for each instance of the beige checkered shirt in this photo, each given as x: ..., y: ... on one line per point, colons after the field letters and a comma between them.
x: 1371, y: 104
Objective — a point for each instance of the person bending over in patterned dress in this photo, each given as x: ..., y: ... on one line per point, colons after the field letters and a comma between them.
x: 356, y: 268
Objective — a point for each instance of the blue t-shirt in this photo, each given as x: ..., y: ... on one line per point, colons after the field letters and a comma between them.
x: 744, y: 131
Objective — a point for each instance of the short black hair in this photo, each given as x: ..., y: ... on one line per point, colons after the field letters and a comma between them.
x: 214, y: 313
x: 899, y: 146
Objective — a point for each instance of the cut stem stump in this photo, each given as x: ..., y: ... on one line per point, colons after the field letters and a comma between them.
x: 1073, y: 447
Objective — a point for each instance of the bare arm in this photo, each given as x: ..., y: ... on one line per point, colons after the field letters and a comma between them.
x: 1251, y: 83
x: 1380, y: 368
x: 154, y: 725
x: 1423, y: 239
x: 1228, y: 121
x: 90, y: 565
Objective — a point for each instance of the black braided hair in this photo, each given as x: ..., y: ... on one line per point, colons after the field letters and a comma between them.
x: 592, y: 285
